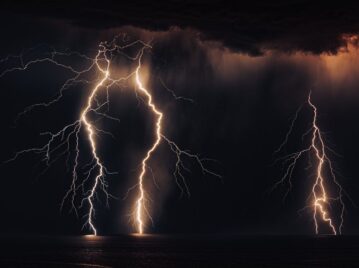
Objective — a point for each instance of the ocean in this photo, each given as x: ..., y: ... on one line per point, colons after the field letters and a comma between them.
x: 179, y: 251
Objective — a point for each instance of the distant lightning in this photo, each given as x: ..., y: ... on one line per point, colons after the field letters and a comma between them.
x: 320, y: 199
x: 58, y: 143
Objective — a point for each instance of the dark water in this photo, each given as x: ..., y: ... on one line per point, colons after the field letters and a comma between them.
x: 179, y: 251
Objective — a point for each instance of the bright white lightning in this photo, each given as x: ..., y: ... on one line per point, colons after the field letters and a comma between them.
x: 141, y: 198
x: 59, y: 142
x: 90, y: 133
x: 321, y: 201
x: 140, y: 204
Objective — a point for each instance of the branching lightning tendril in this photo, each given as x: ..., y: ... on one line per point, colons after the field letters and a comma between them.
x: 58, y: 143
x: 320, y: 198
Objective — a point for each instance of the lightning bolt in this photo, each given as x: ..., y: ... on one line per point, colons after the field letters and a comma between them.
x: 140, y: 200
x: 320, y: 199
x: 59, y: 143
x: 90, y: 133
x: 140, y: 204
x: 63, y: 137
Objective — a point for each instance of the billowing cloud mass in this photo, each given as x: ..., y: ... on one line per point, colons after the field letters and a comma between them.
x: 250, y: 27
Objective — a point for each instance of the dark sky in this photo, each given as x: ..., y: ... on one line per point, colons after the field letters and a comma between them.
x: 247, y: 67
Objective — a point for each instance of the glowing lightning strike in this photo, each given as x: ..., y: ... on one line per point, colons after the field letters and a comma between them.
x: 319, y: 193
x: 140, y: 200
x: 90, y: 133
x: 140, y: 208
x: 74, y: 129
x: 58, y: 143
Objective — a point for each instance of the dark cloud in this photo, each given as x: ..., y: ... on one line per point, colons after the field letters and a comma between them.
x: 241, y: 110
x: 249, y: 27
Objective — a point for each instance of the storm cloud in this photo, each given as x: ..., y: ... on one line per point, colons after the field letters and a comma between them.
x: 250, y: 27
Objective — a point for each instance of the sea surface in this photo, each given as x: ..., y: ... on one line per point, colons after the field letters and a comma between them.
x: 179, y: 251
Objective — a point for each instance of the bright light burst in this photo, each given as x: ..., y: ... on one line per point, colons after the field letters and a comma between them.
x: 58, y: 144
x: 321, y: 200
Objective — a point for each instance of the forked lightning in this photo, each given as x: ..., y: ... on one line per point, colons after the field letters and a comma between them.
x: 59, y: 142
x: 321, y: 200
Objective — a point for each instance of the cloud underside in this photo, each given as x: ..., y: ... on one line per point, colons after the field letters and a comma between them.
x: 250, y: 28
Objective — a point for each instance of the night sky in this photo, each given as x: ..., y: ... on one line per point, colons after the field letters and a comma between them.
x: 247, y: 68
